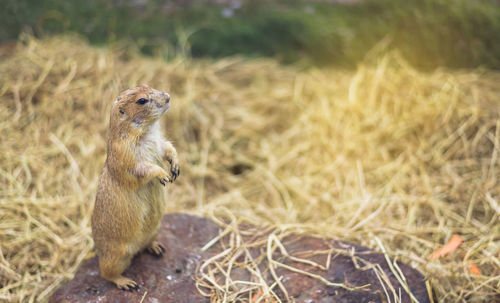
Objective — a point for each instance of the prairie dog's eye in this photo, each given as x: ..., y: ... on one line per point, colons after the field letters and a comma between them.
x: 142, y: 101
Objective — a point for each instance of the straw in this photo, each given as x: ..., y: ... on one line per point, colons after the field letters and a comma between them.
x: 384, y: 152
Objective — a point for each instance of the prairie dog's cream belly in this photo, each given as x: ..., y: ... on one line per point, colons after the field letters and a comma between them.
x: 149, y: 147
x: 151, y: 196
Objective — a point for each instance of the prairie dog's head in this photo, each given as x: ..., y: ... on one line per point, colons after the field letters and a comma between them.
x: 140, y: 106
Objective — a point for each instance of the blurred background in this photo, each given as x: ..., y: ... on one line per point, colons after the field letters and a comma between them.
x: 371, y: 121
x: 429, y: 33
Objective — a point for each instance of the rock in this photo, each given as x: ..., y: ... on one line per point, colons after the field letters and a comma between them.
x: 343, y: 270
x: 171, y: 278
x: 166, y: 279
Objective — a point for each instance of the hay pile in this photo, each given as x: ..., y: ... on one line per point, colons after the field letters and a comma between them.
x: 384, y: 156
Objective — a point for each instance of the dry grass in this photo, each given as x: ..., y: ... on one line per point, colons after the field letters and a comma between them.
x: 385, y: 156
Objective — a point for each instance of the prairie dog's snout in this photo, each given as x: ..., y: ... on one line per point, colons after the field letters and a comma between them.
x: 166, y: 96
x: 162, y: 99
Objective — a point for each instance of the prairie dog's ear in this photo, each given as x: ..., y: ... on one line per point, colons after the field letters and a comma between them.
x: 144, y: 85
x: 123, y: 115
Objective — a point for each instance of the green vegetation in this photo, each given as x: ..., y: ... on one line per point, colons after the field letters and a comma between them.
x: 428, y: 33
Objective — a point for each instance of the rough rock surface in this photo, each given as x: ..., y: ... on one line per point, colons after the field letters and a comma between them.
x: 170, y: 278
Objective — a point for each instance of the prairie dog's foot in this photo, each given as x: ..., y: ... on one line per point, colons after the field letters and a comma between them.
x: 125, y: 283
x: 156, y: 249
x: 174, y: 167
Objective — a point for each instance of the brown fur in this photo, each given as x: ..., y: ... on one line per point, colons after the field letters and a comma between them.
x: 130, y: 197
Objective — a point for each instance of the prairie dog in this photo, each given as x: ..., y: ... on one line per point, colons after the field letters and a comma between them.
x: 130, y: 198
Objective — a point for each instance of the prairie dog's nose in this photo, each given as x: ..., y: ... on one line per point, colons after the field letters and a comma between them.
x: 167, y: 96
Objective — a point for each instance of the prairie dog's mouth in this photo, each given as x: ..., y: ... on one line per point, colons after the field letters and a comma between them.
x: 166, y: 107
x: 162, y: 108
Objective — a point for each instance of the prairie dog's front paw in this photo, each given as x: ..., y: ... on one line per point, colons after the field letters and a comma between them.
x: 165, y: 179
x: 175, y: 170
x: 163, y: 176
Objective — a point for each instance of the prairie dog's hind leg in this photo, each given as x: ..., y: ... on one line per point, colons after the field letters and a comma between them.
x: 113, y: 265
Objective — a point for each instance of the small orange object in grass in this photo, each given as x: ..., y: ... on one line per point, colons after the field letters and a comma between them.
x: 473, y: 269
x: 257, y: 295
x: 449, y: 247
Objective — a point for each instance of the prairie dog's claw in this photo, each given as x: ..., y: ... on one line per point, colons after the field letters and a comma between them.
x: 156, y: 248
x: 164, y: 180
x: 175, y: 173
x: 174, y: 168
x: 126, y: 284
